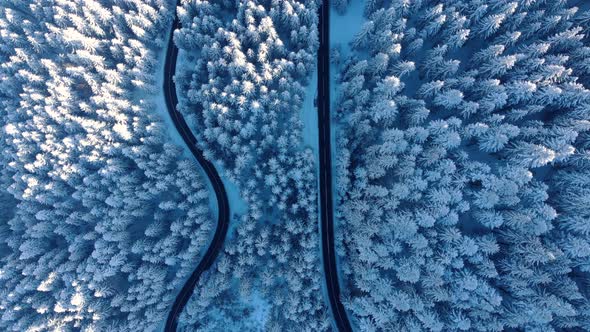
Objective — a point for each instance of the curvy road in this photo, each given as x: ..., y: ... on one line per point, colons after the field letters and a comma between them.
x: 223, y: 205
x: 327, y: 215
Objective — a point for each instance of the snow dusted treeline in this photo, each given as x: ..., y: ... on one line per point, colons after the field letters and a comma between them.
x: 101, y: 219
x: 463, y: 166
x: 245, y: 67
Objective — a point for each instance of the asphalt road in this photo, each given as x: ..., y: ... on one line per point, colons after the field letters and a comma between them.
x: 327, y: 215
x: 222, y: 202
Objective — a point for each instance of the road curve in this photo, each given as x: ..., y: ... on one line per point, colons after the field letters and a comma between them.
x: 222, y: 202
x: 327, y: 215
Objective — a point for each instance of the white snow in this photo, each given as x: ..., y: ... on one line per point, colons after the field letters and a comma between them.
x: 236, y: 204
x: 343, y: 28
x: 310, y: 116
x: 261, y: 309
x: 175, y: 137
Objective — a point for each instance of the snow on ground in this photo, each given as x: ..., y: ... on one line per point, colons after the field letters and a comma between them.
x: 236, y: 204
x: 310, y: 130
x: 250, y: 315
x: 175, y: 137
x: 258, y: 317
x: 310, y: 116
x: 343, y: 28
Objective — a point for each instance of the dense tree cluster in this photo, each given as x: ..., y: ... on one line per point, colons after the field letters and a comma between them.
x: 245, y: 65
x: 102, y: 220
x: 463, y: 166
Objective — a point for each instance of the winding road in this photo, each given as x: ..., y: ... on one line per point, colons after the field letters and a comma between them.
x: 327, y: 217
x: 327, y: 213
x: 222, y: 202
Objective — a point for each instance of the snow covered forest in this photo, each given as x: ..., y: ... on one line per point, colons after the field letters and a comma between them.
x: 101, y: 217
x: 461, y: 178
x: 463, y: 166
x: 244, y: 68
